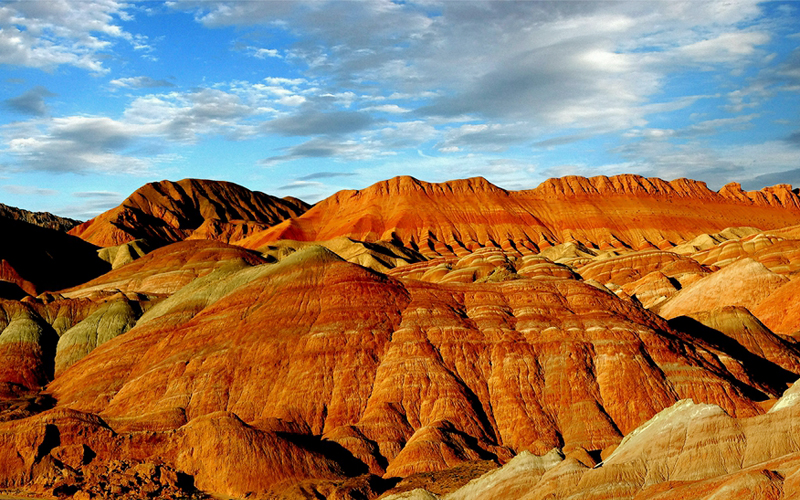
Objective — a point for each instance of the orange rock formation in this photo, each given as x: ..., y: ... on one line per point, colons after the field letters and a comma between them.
x: 458, y: 217
x: 192, y: 208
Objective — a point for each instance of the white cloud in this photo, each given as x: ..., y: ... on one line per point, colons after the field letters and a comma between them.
x: 590, y: 65
x: 140, y: 82
x: 28, y: 190
x: 91, y: 204
x: 262, y: 53
x: 725, y: 48
x: 47, y: 34
x: 388, y: 108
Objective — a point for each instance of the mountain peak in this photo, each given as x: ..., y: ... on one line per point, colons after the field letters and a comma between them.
x: 170, y: 211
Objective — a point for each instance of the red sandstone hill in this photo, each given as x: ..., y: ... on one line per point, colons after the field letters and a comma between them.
x: 191, y: 208
x: 457, y: 217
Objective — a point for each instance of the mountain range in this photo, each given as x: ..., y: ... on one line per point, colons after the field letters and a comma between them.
x: 606, y: 337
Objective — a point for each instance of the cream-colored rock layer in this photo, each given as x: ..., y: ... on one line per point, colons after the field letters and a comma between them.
x: 688, y: 450
x: 745, y: 283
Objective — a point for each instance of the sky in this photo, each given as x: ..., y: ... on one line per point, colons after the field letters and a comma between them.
x: 98, y: 97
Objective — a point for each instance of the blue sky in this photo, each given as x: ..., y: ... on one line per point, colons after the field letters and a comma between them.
x: 307, y: 98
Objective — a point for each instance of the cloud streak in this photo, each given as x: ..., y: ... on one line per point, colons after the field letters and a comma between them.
x: 140, y: 82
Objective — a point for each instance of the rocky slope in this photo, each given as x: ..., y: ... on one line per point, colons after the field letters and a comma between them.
x: 405, y: 376
x: 688, y: 450
x: 191, y: 208
x: 458, y: 217
x: 167, y: 269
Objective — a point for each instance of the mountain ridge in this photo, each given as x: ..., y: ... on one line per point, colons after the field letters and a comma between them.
x: 41, y: 219
x: 456, y: 217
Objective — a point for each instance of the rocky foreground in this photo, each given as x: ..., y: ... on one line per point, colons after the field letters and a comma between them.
x: 592, y: 338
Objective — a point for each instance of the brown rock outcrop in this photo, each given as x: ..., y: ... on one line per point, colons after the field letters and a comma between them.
x: 61, y: 452
x: 742, y: 326
x: 173, y: 211
x: 780, y: 311
x: 381, y: 256
x: 483, y: 265
x: 296, y: 370
x: 688, y: 450
x: 634, y: 266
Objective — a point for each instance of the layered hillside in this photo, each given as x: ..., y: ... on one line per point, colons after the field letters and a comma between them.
x: 405, y: 377
x: 167, y: 269
x: 689, y: 450
x: 191, y: 208
x: 458, y: 217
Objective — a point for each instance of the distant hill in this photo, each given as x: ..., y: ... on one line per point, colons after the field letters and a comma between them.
x: 188, y: 209
x: 460, y: 216
x: 41, y: 219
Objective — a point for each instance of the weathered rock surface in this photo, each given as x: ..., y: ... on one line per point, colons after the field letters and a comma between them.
x: 61, y: 452
x: 743, y: 327
x: 27, y: 348
x: 483, y: 265
x: 381, y: 256
x: 29, y: 335
x: 745, y: 283
x: 779, y: 255
x: 780, y: 311
x: 297, y: 370
x: 173, y: 211
x: 688, y: 450
x: 125, y: 253
x: 110, y: 320
x: 457, y: 217
x: 406, y: 376
x: 629, y: 268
